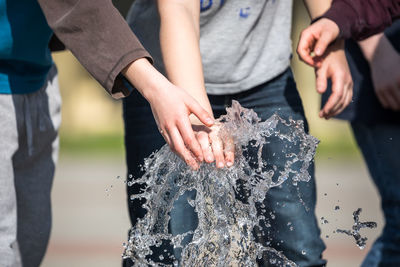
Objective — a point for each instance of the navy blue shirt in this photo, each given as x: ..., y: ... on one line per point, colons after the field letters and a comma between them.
x: 366, y: 106
x: 25, y: 58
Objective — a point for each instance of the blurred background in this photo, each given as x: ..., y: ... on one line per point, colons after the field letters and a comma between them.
x: 90, y: 220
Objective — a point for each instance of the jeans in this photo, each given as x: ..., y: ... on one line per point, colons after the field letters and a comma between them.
x: 303, y: 244
x: 380, y: 145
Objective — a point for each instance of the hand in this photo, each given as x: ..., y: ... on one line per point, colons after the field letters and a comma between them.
x: 214, y: 148
x: 333, y: 65
x: 315, y: 39
x: 171, y: 107
x: 385, y: 72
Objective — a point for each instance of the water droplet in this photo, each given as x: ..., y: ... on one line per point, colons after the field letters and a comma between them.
x: 223, y: 217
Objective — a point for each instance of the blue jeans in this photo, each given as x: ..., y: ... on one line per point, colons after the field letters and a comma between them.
x: 380, y: 145
x: 278, y: 95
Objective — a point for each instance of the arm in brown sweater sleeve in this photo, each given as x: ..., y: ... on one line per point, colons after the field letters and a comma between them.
x: 98, y: 36
x: 359, y: 19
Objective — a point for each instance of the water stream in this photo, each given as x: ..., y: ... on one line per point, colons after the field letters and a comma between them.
x: 227, y: 201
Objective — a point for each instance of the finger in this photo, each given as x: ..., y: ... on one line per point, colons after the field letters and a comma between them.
x: 305, y: 47
x: 321, y: 80
x: 342, y: 103
x: 335, y: 97
x: 204, y: 142
x: 200, y: 112
x: 166, y: 137
x: 181, y: 150
x: 189, y: 139
x: 322, y: 43
x: 229, y: 151
x: 217, y: 147
x: 340, y: 106
x: 349, y: 97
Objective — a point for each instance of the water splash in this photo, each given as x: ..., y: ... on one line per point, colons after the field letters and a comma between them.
x: 227, y: 201
x: 357, y: 226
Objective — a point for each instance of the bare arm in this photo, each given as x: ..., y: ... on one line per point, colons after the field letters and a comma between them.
x: 179, y: 37
x: 384, y: 62
x: 316, y: 8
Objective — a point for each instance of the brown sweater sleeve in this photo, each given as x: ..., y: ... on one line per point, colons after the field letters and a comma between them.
x: 359, y: 19
x: 98, y: 36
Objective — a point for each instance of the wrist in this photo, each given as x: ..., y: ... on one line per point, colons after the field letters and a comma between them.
x: 144, y: 77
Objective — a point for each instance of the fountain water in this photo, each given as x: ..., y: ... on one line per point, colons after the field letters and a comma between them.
x: 227, y: 201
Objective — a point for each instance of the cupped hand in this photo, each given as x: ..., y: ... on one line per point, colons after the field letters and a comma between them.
x: 214, y: 147
x: 333, y: 65
x: 171, y: 109
x: 315, y: 39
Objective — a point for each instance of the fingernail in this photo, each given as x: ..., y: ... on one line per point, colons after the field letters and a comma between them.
x: 209, y: 159
x: 317, y: 51
x: 220, y: 165
x: 229, y: 164
x: 210, y: 121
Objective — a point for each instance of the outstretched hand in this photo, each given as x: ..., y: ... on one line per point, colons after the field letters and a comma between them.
x: 171, y: 107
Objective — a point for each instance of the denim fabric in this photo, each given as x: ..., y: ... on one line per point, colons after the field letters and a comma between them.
x: 365, y: 106
x: 283, y: 203
x: 380, y: 145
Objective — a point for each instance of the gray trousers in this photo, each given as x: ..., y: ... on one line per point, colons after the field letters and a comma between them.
x: 28, y: 153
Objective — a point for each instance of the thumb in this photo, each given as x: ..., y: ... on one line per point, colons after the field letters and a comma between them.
x: 321, y: 80
x: 322, y: 43
x: 195, y: 108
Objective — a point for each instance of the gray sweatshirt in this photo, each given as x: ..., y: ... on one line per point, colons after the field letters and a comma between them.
x: 243, y: 43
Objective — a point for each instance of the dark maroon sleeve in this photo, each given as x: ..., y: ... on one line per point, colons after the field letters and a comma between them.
x: 98, y: 36
x: 359, y: 19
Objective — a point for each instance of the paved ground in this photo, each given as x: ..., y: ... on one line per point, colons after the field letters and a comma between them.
x: 90, y: 218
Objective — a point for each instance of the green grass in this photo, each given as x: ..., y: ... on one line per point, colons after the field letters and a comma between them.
x: 100, y: 145
x: 110, y: 145
x: 344, y: 149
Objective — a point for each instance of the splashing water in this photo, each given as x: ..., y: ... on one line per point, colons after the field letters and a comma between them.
x: 227, y: 201
x: 357, y: 226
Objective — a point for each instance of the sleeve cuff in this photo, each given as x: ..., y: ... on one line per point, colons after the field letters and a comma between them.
x: 116, y: 84
x: 344, y: 16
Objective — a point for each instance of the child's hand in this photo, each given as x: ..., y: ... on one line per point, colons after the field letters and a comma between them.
x: 171, y: 107
x: 171, y: 110
x: 333, y: 65
x: 315, y: 39
x: 214, y: 148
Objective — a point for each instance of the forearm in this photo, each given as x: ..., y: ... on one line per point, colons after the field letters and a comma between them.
x: 369, y: 46
x: 179, y: 38
x: 316, y: 8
